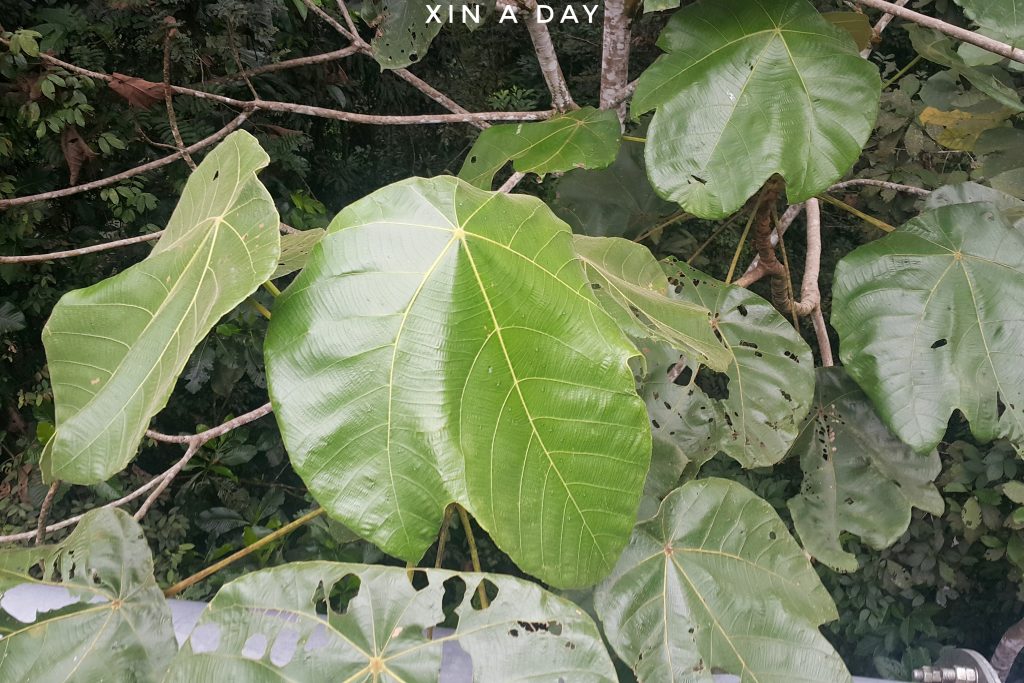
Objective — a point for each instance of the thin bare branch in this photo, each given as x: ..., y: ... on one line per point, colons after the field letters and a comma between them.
x: 172, y: 118
x: 213, y: 432
x: 317, y: 10
x: 511, y: 183
x: 547, y: 57
x: 884, y: 184
x: 436, y: 95
x: 166, y: 478
x: 876, y: 33
x: 810, y: 294
x: 322, y: 58
x: 343, y: 8
x: 238, y: 64
x: 44, y: 511
x: 821, y: 332
x: 615, y: 56
x: 976, y: 39
x: 130, y: 173
x: 71, y: 253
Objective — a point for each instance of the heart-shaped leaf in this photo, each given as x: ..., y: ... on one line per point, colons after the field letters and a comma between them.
x: 931, y: 320
x: 858, y: 477
x: 715, y: 581
x: 585, y: 138
x: 766, y: 391
x: 359, y: 622
x: 633, y: 288
x: 748, y: 90
x: 115, y: 349
x: 114, y: 624
x: 442, y: 344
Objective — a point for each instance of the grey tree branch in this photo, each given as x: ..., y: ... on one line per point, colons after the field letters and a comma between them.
x: 200, y: 439
x: 71, y: 253
x: 876, y: 33
x: 810, y: 294
x: 884, y: 184
x: 976, y: 39
x: 44, y: 511
x: 322, y: 58
x: 512, y: 181
x: 615, y: 57
x: 547, y: 58
x: 172, y: 118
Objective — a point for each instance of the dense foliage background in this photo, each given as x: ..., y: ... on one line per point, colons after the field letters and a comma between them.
x: 951, y: 579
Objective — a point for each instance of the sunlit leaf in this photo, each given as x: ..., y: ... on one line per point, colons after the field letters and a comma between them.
x: 715, y: 582
x: 858, y: 477
x: 633, y: 288
x: 443, y: 344
x: 371, y: 623
x: 115, y: 625
x: 295, y: 250
x: 748, y: 90
x: 931, y: 320
x: 115, y: 349
x: 585, y: 138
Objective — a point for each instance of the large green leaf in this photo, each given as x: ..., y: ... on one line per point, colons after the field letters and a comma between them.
x: 715, y: 581
x: 765, y: 392
x: 633, y: 288
x: 117, y: 627
x: 617, y: 201
x: 935, y: 47
x: 295, y: 250
x: 750, y: 88
x: 316, y: 621
x: 585, y: 138
x: 406, y: 28
x: 442, y: 344
x: 931, y: 320
x: 858, y: 477
x: 1002, y: 18
x: 115, y: 349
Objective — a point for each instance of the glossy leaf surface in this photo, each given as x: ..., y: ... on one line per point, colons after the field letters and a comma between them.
x: 858, y: 477
x: 312, y: 621
x: 715, y: 581
x: 633, y: 288
x: 586, y: 138
x: 930, y: 319
x: 443, y: 344
x: 749, y: 89
x: 115, y: 349
x: 117, y: 626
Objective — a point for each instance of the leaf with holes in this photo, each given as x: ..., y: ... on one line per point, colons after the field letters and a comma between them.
x: 585, y: 138
x: 442, y: 344
x: 766, y: 391
x: 295, y: 250
x: 631, y: 285
x: 107, y: 620
x: 360, y: 622
x: 617, y: 201
x: 748, y: 90
x: 858, y: 477
x: 715, y: 581
x: 115, y: 349
x: 406, y: 28
x: 931, y: 320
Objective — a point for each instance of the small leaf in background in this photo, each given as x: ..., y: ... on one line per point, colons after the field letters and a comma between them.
x: 295, y: 251
x: 115, y: 349
x: 633, y: 288
x: 857, y: 24
x: 931, y: 320
x: 1014, y: 490
x: 716, y: 583
x: 117, y: 625
x: 11, y: 318
x: 961, y: 130
x: 858, y: 477
x: 971, y: 513
x: 362, y: 622
x: 586, y: 138
x: 748, y: 90
x: 442, y: 344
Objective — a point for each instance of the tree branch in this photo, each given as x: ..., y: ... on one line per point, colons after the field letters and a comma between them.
x: 810, y: 294
x: 71, y: 253
x: 512, y: 181
x: 44, y: 511
x: 884, y: 184
x: 547, y: 58
x: 976, y: 39
x: 286, y: 64
x: 158, y: 480
x: 172, y: 118
x: 130, y: 173
x: 876, y: 33
x: 615, y: 56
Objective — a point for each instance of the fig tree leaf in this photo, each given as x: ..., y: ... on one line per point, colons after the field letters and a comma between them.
x: 858, y: 477
x: 299, y: 621
x: 931, y: 320
x: 116, y: 624
x: 295, y: 250
x: 715, y: 581
x: 585, y: 138
x: 442, y: 344
x: 935, y: 47
x: 748, y: 90
x: 115, y: 349
x: 632, y: 287
x: 766, y: 391
x: 617, y: 201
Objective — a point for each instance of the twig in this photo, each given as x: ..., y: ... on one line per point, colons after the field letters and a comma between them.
x: 976, y: 39
x: 739, y: 246
x: 166, y: 478
x: 238, y: 63
x: 877, y: 222
x: 343, y: 8
x: 871, y: 182
x: 248, y: 550
x: 810, y: 294
x: 547, y: 57
x: 70, y: 253
x: 474, y: 556
x: 876, y: 33
x: 44, y: 511
x: 442, y: 536
x: 615, y: 56
x: 172, y: 119
x: 512, y: 181
x: 286, y: 64
x: 317, y: 10
x: 436, y: 95
x: 755, y: 271
x: 821, y: 332
x: 671, y: 220
x: 130, y: 173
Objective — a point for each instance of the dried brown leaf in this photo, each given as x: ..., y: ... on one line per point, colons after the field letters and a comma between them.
x: 140, y: 93
x: 76, y: 152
